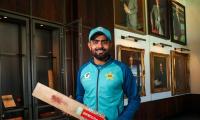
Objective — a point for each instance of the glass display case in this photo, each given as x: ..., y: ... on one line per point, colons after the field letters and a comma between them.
x: 47, y: 65
x: 14, y: 68
x: 31, y: 51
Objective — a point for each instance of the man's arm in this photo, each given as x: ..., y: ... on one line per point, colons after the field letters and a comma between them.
x: 79, y: 89
x: 133, y: 6
x: 131, y: 91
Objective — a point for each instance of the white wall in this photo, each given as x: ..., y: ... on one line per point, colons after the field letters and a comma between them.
x: 193, y: 35
x: 148, y: 47
x: 193, y: 38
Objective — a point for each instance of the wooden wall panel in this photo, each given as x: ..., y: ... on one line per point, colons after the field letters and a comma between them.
x: 95, y: 13
x: 166, y: 108
x: 86, y: 11
x: 71, y: 11
x: 69, y: 61
x: 20, y: 6
x: 193, y: 105
x: 51, y: 10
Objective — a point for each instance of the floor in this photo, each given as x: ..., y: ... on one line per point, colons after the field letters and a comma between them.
x: 185, y: 116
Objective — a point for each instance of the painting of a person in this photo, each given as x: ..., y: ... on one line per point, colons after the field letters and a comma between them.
x: 155, y: 18
x: 131, y: 10
x: 178, y: 26
x: 160, y: 77
x: 132, y: 66
x: 136, y: 71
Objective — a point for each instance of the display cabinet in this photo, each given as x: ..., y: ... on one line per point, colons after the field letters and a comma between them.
x: 47, y: 65
x: 14, y: 68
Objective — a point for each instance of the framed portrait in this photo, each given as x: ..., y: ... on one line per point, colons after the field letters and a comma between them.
x: 158, y: 18
x: 180, y: 73
x: 130, y: 15
x: 159, y: 64
x: 134, y: 58
x: 178, y: 23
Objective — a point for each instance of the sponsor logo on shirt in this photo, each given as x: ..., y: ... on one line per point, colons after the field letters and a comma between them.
x: 109, y: 76
x: 87, y: 75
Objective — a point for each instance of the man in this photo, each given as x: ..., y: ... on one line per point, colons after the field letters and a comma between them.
x: 135, y: 68
x: 131, y: 9
x: 102, y: 82
x: 160, y: 77
x: 132, y: 66
x: 155, y: 17
x: 176, y: 23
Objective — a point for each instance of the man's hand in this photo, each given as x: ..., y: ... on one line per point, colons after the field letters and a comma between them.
x: 126, y: 9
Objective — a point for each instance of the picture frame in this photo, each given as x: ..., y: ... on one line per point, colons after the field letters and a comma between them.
x: 180, y: 73
x: 160, y: 77
x: 158, y: 18
x: 134, y: 58
x: 178, y: 23
x: 130, y: 15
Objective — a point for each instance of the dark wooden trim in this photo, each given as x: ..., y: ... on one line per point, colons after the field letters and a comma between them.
x: 165, y: 108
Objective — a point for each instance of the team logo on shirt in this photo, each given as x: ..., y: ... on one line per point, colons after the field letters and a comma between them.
x: 109, y: 76
x: 87, y: 75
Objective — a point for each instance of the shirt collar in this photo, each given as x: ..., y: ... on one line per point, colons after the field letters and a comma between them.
x: 110, y: 59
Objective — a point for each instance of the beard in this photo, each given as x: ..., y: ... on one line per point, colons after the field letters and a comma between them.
x: 102, y: 56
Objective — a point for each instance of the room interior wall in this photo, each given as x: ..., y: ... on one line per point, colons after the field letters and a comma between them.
x: 193, y: 37
x: 192, y: 18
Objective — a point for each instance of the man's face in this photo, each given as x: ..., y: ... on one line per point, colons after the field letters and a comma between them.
x: 161, y: 67
x: 157, y: 2
x: 130, y: 60
x: 100, y: 47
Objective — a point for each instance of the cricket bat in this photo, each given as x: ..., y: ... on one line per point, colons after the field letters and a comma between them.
x: 50, y: 79
x: 65, y: 103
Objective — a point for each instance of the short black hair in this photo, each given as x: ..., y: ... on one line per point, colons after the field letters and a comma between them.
x: 96, y: 34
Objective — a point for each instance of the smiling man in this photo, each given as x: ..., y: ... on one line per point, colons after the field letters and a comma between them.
x: 102, y: 82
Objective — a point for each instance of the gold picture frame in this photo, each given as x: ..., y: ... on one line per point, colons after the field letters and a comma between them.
x: 178, y: 23
x: 180, y: 73
x: 159, y: 65
x: 129, y: 15
x: 134, y: 58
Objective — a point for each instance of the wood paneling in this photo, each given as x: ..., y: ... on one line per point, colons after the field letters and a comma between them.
x: 86, y: 11
x: 71, y: 11
x: 21, y: 6
x: 69, y: 61
x: 48, y: 9
x: 193, y: 103
x: 165, y: 108
x: 95, y: 13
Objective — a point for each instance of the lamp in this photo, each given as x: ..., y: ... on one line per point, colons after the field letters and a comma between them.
x: 132, y: 38
x: 161, y: 45
x: 181, y: 49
